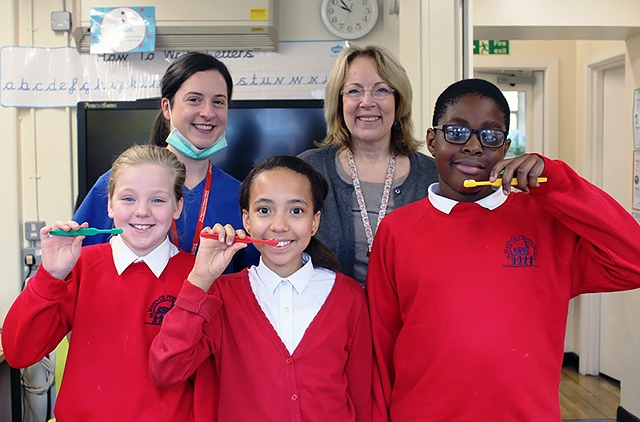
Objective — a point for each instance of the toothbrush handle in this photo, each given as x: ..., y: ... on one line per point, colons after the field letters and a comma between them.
x: 246, y: 240
x: 514, y: 181
x: 85, y: 231
x: 70, y: 233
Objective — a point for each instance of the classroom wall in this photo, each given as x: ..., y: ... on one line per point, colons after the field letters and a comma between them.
x: 630, y: 382
x: 10, y: 215
x: 552, y: 19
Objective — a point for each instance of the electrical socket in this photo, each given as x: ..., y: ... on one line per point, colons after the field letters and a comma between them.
x: 32, y: 255
x: 32, y: 229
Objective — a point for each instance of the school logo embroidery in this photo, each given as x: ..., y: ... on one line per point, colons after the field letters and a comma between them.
x: 521, y: 252
x: 159, y: 308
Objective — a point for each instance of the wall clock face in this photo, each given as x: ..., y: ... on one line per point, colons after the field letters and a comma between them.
x: 349, y: 19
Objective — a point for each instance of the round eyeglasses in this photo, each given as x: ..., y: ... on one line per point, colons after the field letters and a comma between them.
x: 460, y: 135
x: 377, y: 92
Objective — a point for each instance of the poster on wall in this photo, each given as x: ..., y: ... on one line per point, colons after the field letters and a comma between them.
x: 636, y: 179
x: 62, y: 77
x: 636, y: 118
x: 122, y: 29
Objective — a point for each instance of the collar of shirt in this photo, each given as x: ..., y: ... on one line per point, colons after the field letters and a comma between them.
x: 289, y: 309
x: 299, y: 280
x: 156, y: 260
x: 445, y: 205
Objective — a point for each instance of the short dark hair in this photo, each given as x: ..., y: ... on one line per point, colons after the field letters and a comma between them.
x: 321, y: 255
x: 473, y: 86
x: 179, y: 71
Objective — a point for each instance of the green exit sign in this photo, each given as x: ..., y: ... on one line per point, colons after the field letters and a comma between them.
x: 490, y: 46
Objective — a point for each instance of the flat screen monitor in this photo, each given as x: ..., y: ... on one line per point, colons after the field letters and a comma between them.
x: 256, y: 130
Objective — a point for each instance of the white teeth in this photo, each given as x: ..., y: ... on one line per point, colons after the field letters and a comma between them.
x: 204, y: 127
x: 368, y: 119
x: 141, y: 226
x: 284, y: 242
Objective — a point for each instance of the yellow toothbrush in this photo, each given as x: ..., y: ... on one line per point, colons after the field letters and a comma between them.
x: 470, y: 183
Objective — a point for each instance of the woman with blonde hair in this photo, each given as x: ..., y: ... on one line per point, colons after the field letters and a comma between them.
x: 370, y: 156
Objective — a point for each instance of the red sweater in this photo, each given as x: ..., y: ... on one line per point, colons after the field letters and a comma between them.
x: 113, y: 320
x: 468, y: 310
x: 328, y: 377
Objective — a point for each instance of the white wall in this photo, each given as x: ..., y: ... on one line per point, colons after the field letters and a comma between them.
x: 10, y: 212
x: 552, y: 19
x: 630, y: 382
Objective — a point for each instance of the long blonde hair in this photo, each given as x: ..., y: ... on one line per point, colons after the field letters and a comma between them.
x: 402, y: 138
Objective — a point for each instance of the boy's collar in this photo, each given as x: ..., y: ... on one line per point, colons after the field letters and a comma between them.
x: 445, y: 205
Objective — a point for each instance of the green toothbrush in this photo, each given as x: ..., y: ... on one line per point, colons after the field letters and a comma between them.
x: 85, y: 231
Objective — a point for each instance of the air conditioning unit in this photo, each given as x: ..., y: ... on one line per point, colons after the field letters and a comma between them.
x: 195, y: 24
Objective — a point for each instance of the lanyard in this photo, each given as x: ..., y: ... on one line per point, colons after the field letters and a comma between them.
x: 201, y: 216
x: 384, y: 201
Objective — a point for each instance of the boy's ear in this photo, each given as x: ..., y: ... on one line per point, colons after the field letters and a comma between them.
x: 109, y: 208
x: 245, y: 222
x: 506, y: 146
x: 431, y: 138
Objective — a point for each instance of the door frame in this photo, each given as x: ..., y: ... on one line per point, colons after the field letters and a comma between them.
x: 593, y: 171
x: 533, y: 115
x: 548, y: 90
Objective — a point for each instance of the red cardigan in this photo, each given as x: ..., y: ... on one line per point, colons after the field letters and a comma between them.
x: 328, y: 377
x: 113, y: 320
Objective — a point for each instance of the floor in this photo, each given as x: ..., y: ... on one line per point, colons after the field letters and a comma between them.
x: 587, y: 398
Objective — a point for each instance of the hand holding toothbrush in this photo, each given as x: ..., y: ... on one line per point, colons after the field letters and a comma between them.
x: 217, y: 248
x: 60, y: 253
x: 527, y: 168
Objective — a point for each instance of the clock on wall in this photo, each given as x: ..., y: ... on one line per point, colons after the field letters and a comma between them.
x: 349, y: 19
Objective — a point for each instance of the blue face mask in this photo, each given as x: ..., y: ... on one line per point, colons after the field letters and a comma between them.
x: 186, y: 148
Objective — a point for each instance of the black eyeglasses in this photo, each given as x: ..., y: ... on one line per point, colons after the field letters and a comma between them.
x: 460, y: 135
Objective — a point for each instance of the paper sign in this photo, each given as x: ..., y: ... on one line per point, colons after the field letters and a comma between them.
x: 61, y: 77
x: 636, y: 118
x: 122, y: 29
x: 636, y: 179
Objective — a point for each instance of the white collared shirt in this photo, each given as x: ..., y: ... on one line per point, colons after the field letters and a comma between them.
x: 445, y: 205
x: 156, y: 260
x: 291, y: 304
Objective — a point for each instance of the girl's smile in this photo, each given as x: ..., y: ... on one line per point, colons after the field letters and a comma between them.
x: 281, y: 208
x: 143, y: 204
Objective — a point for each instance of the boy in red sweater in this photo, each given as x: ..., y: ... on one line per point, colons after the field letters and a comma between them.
x: 469, y: 288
